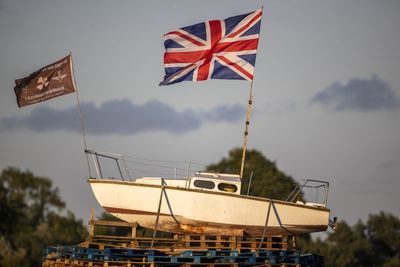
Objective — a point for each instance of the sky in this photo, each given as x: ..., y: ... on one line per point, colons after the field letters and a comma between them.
x: 326, y: 94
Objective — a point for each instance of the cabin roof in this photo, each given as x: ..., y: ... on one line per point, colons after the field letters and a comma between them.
x: 218, y: 176
x: 235, y: 178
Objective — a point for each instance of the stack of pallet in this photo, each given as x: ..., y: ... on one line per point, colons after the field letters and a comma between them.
x: 65, y: 256
x: 180, y: 242
x: 135, y: 249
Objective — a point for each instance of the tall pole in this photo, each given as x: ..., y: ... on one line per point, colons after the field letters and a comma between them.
x: 246, y: 131
x: 81, y: 116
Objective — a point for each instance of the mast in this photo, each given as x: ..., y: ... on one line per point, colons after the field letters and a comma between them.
x: 246, y: 131
x: 80, y: 115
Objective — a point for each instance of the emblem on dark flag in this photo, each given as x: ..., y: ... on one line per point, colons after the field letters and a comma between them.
x: 50, y: 81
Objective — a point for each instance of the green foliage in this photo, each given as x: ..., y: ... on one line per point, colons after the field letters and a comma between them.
x: 383, y: 231
x: 31, y: 220
x: 374, y: 243
x: 10, y: 257
x: 268, y: 180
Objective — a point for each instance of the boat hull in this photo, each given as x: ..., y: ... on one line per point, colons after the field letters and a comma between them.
x: 203, y: 212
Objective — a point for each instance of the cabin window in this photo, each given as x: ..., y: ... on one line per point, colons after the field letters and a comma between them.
x: 204, y: 184
x: 227, y: 187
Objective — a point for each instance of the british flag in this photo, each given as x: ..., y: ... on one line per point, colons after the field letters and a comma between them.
x: 215, y: 49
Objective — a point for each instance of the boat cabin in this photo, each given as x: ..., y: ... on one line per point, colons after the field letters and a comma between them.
x: 216, y: 182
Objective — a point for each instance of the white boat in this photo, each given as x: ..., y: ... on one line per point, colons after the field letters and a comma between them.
x: 207, y: 203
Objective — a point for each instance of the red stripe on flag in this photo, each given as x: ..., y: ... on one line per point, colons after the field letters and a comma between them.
x: 203, y: 70
x: 215, y: 31
x: 236, y: 46
x: 216, y: 35
x: 245, y: 27
x: 184, y: 57
x: 236, y: 66
x: 188, y: 38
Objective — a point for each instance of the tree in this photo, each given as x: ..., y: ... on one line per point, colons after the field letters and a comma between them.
x: 383, y: 231
x: 31, y: 218
x: 374, y: 243
x: 267, y: 181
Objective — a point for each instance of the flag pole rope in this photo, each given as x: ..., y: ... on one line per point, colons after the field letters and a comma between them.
x: 81, y: 116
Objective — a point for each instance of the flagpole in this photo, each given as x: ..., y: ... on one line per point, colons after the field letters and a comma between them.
x: 81, y: 116
x: 246, y: 131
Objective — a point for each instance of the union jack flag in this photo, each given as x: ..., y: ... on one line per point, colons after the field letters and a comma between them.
x: 215, y: 49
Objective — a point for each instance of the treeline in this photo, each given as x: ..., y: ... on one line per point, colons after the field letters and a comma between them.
x: 375, y: 243
x: 33, y: 216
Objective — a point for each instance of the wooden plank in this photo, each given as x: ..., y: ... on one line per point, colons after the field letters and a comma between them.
x: 203, y: 241
x: 183, y: 240
x: 218, y: 241
x: 114, y: 223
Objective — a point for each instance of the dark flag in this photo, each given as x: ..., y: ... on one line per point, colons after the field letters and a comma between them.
x: 51, y: 81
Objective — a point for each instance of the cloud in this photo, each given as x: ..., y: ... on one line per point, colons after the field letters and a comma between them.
x: 225, y: 113
x: 359, y: 95
x: 121, y: 117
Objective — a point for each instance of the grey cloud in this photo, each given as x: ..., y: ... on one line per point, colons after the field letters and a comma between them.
x: 359, y: 95
x: 225, y: 113
x: 121, y: 117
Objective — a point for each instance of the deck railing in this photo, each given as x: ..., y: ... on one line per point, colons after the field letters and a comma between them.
x: 108, y: 164
x: 314, y: 185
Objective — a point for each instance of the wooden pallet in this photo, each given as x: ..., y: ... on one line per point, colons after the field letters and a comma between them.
x: 179, y: 242
x: 49, y: 263
x: 80, y: 263
x: 137, y: 247
x: 65, y: 256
